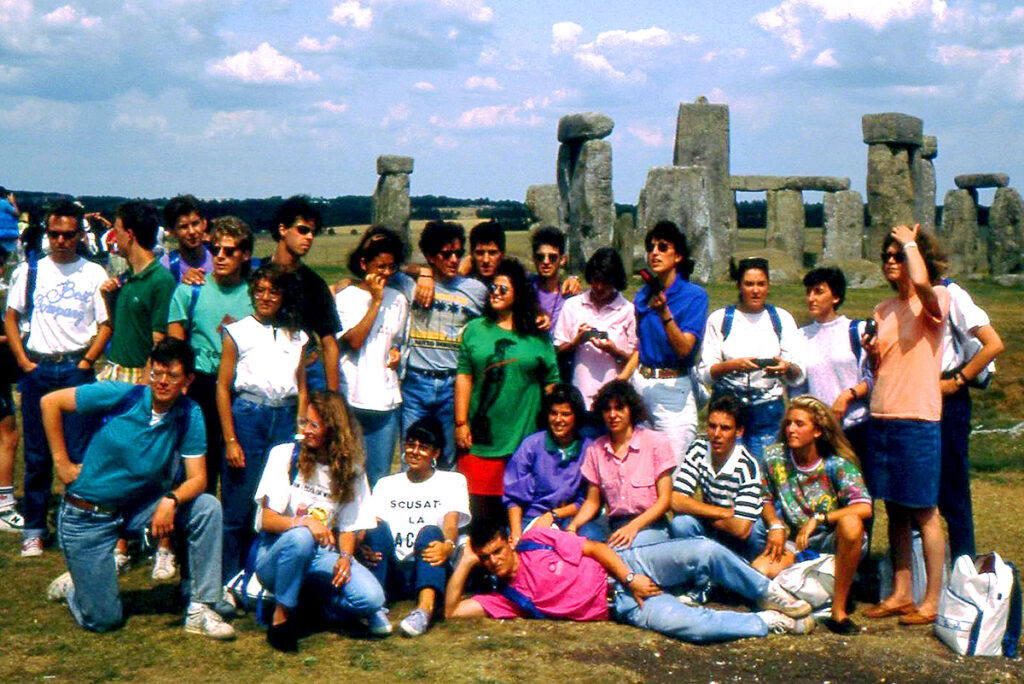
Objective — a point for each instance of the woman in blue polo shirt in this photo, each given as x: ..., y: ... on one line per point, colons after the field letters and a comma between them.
x: 670, y: 316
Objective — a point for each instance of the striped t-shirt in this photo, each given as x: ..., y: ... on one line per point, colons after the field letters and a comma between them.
x: 736, y: 485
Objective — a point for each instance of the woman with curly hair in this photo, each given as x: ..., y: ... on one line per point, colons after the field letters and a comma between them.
x: 814, y: 492
x: 313, y: 498
x: 261, y: 391
x: 629, y: 471
x: 505, y: 362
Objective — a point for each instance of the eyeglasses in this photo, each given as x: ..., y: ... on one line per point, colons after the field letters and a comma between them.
x: 449, y: 253
x: 304, y: 423
x: 898, y: 257
x: 164, y: 376
x: 500, y: 289
x: 546, y: 257
x: 59, y: 234
x: 662, y: 246
x: 225, y: 250
x: 266, y: 293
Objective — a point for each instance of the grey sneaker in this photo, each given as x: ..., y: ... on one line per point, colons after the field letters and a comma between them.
x: 205, y: 620
x: 59, y: 588
x: 11, y: 521
x: 777, y: 598
x: 379, y: 624
x: 415, y: 623
x: 779, y: 623
x: 163, y: 565
x: 32, y: 547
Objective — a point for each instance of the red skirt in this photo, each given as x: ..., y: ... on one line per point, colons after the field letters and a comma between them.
x: 484, y: 476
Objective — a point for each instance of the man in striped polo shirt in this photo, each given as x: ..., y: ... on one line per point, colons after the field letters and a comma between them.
x: 729, y: 479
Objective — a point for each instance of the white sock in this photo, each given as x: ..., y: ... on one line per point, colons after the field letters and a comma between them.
x: 6, y: 498
x: 195, y: 606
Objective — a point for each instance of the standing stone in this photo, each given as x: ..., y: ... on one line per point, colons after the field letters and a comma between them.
x: 625, y: 236
x: 702, y: 139
x: 785, y: 222
x: 639, y: 249
x: 591, y: 207
x: 542, y: 201
x: 1006, y: 233
x: 924, y: 183
x: 563, y: 176
x: 390, y: 205
x: 959, y: 231
x: 844, y: 226
x: 892, y: 140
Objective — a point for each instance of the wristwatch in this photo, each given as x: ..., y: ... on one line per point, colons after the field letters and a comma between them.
x: 629, y: 578
x: 173, y: 497
x: 822, y: 518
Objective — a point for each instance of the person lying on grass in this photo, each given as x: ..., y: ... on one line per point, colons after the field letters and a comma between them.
x: 557, y: 575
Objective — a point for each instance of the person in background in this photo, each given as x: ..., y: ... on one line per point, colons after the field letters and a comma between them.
x: 9, y: 232
x: 543, y: 482
x: 57, y: 300
x: 598, y: 327
x: 373, y: 320
x: 670, y: 316
x: 191, y: 262
x: 548, y: 245
x: 10, y: 519
x: 751, y: 350
x: 419, y: 513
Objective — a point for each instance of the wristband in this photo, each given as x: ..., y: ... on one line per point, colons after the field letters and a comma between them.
x: 666, y: 321
x: 908, y: 245
x: 91, y: 362
x: 777, y: 526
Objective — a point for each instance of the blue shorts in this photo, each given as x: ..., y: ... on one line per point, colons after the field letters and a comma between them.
x: 903, y: 462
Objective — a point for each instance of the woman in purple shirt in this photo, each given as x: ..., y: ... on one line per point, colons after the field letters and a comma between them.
x: 543, y: 483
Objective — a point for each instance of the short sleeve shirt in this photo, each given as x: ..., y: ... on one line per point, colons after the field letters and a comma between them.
x: 407, y: 507
x: 541, y: 475
x: 268, y: 358
x: 216, y: 307
x: 964, y: 316
x: 798, y: 493
x: 629, y: 485
x: 367, y: 381
x: 736, y: 485
x: 435, y: 334
x: 140, y: 311
x: 206, y: 264
x: 689, y: 306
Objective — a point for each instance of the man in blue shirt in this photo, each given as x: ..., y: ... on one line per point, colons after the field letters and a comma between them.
x: 129, y: 484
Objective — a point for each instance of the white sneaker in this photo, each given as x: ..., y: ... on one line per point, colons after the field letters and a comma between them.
x: 204, y: 620
x: 59, y: 588
x: 777, y: 598
x: 783, y: 624
x: 379, y: 624
x: 123, y: 560
x: 163, y: 565
x: 11, y: 521
x: 32, y: 547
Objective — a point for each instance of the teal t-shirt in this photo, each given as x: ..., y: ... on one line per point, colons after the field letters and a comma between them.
x: 129, y: 459
x: 215, y: 308
x: 509, y: 373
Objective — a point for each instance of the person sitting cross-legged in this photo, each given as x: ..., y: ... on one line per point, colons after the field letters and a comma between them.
x: 127, y: 483
x: 557, y: 575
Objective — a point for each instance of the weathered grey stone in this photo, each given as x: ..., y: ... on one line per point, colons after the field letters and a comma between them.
x: 625, y: 236
x: 844, y: 226
x: 639, y: 251
x: 890, y: 189
x: 892, y: 128
x: 981, y: 180
x: 765, y: 183
x: 591, y: 205
x: 390, y: 206
x: 584, y: 126
x: 959, y: 231
x: 860, y: 273
x: 392, y: 163
x: 1014, y: 280
x: 702, y: 139
x: 785, y: 222
x: 929, y: 147
x: 924, y: 190
x: 542, y: 201
x: 1005, y: 233
x: 783, y: 268
x: 563, y: 175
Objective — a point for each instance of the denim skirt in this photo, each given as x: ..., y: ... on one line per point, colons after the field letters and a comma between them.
x: 903, y: 461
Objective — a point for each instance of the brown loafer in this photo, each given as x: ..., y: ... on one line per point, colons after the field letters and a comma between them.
x: 917, y: 618
x: 880, y: 610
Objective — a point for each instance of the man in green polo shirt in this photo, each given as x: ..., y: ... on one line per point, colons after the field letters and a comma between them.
x: 138, y: 305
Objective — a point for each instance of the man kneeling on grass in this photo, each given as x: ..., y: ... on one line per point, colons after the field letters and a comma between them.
x: 128, y: 484
x: 561, y: 576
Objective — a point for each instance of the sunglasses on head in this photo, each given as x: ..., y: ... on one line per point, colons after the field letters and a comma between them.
x: 898, y: 257
x: 58, y: 234
x: 225, y: 250
x: 500, y: 289
x: 449, y: 253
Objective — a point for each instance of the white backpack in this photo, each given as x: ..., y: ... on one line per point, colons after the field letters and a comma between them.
x: 980, y: 607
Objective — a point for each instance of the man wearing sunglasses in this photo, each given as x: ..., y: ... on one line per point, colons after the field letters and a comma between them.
x: 57, y: 300
x: 549, y: 257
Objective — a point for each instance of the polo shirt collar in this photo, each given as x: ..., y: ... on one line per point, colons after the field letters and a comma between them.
x: 564, y: 454
x: 146, y: 272
x: 614, y: 303
x: 631, y: 448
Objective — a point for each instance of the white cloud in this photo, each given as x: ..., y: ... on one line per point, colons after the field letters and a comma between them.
x: 631, y: 50
x: 141, y: 123
x: 333, y: 107
x: 351, y: 13
x: 565, y: 36
x: 396, y: 114
x: 647, y: 135
x: 649, y: 37
x: 599, y: 64
x: 311, y: 44
x: 244, y: 123
x: 482, y: 83
x: 445, y: 142
x: 262, y: 65
x: 66, y: 17
x: 424, y: 86
x: 827, y: 59
x: 37, y: 114
x: 487, y: 56
x: 493, y: 116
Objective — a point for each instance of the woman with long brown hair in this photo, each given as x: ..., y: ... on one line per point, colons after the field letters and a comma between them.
x: 313, y: 499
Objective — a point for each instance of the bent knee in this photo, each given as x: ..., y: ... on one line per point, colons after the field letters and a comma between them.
x: 428, y: 535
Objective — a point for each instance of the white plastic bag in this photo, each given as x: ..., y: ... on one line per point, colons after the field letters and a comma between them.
x: 980, y: 607
x: 812, y: 580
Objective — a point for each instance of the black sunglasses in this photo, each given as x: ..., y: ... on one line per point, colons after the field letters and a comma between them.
x: 225, y: 250
x: 898, y: 257
x: 58, y: 234
x: 500, y: 289
x: 543, y: 258
x: 303, y: 229
x: 449, y: 253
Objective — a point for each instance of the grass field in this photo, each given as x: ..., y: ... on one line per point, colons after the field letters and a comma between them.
x: 40, y: 642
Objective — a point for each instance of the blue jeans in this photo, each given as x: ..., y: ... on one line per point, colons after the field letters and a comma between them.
x: 601, y: 528
x: 690, y: 563
x: 258, y: 428
x: 380, y: 433
x: 293, y: 562
x: 762, y: 429
x: 78, y: 429
x: 423, y: 395
x: 87, y: 540
x: 316, y: 376
x: 405, y: 578
x: 955, y: 481
x: 689, y: 527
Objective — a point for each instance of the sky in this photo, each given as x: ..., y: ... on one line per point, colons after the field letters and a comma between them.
x: 225, y: 98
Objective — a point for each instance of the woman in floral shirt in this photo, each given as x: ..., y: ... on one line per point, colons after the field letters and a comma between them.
x: 814, y: 490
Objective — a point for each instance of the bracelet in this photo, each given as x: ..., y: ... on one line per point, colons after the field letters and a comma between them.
x: 777, y: 526
x: 961, y: 378
x: 908, y: 245
x: 450, y: 543
x: 428, y: 274
x: 91, y: 362
x: 666, y: 321
x: 344, y: 554
x: 853, y: 394
x: 173, y: 497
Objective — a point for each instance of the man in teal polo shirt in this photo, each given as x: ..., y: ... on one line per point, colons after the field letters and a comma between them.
x: 129, y: 484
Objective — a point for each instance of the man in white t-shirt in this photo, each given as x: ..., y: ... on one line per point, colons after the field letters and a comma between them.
x: 57, y: 299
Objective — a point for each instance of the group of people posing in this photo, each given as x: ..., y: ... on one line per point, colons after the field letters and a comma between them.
x: 549, y: 433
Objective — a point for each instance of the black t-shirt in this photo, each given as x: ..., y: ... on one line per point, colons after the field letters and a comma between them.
x: 317, y: 312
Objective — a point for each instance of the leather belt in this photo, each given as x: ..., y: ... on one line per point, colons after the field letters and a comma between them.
x: 81, y: 503
x: 660, y: 373
x: 430, y: 373
x: 61, y: 357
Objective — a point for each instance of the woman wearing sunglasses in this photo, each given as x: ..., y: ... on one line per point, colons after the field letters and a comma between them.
x: 505, y: 363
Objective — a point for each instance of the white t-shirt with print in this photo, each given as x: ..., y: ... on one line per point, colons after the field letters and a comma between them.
x: 366, y: 380
x: 407, y: 506
x: 68, y: 305
x: 300, y: 497
x: 268, y: 358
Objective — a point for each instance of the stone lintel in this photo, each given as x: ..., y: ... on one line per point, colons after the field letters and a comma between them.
x: 768, y: 183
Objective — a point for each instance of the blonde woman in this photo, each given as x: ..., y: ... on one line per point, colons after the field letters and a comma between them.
x: 815, y: 499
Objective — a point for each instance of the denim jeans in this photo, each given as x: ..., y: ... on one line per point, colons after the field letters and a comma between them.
x: 673, y: 406
x: 690, y: 563
x: 423, y: 395
x: 293, y: 563
x: 316, y: 376
x: 78, y: 429
x: 87, y: 540
x: 689, y: 527
x: 762, y: 429
x: 380, y: 434
x: 258, y: 428
x: 955, y: 482
x: 405, y: 578
x: 600, y: 528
